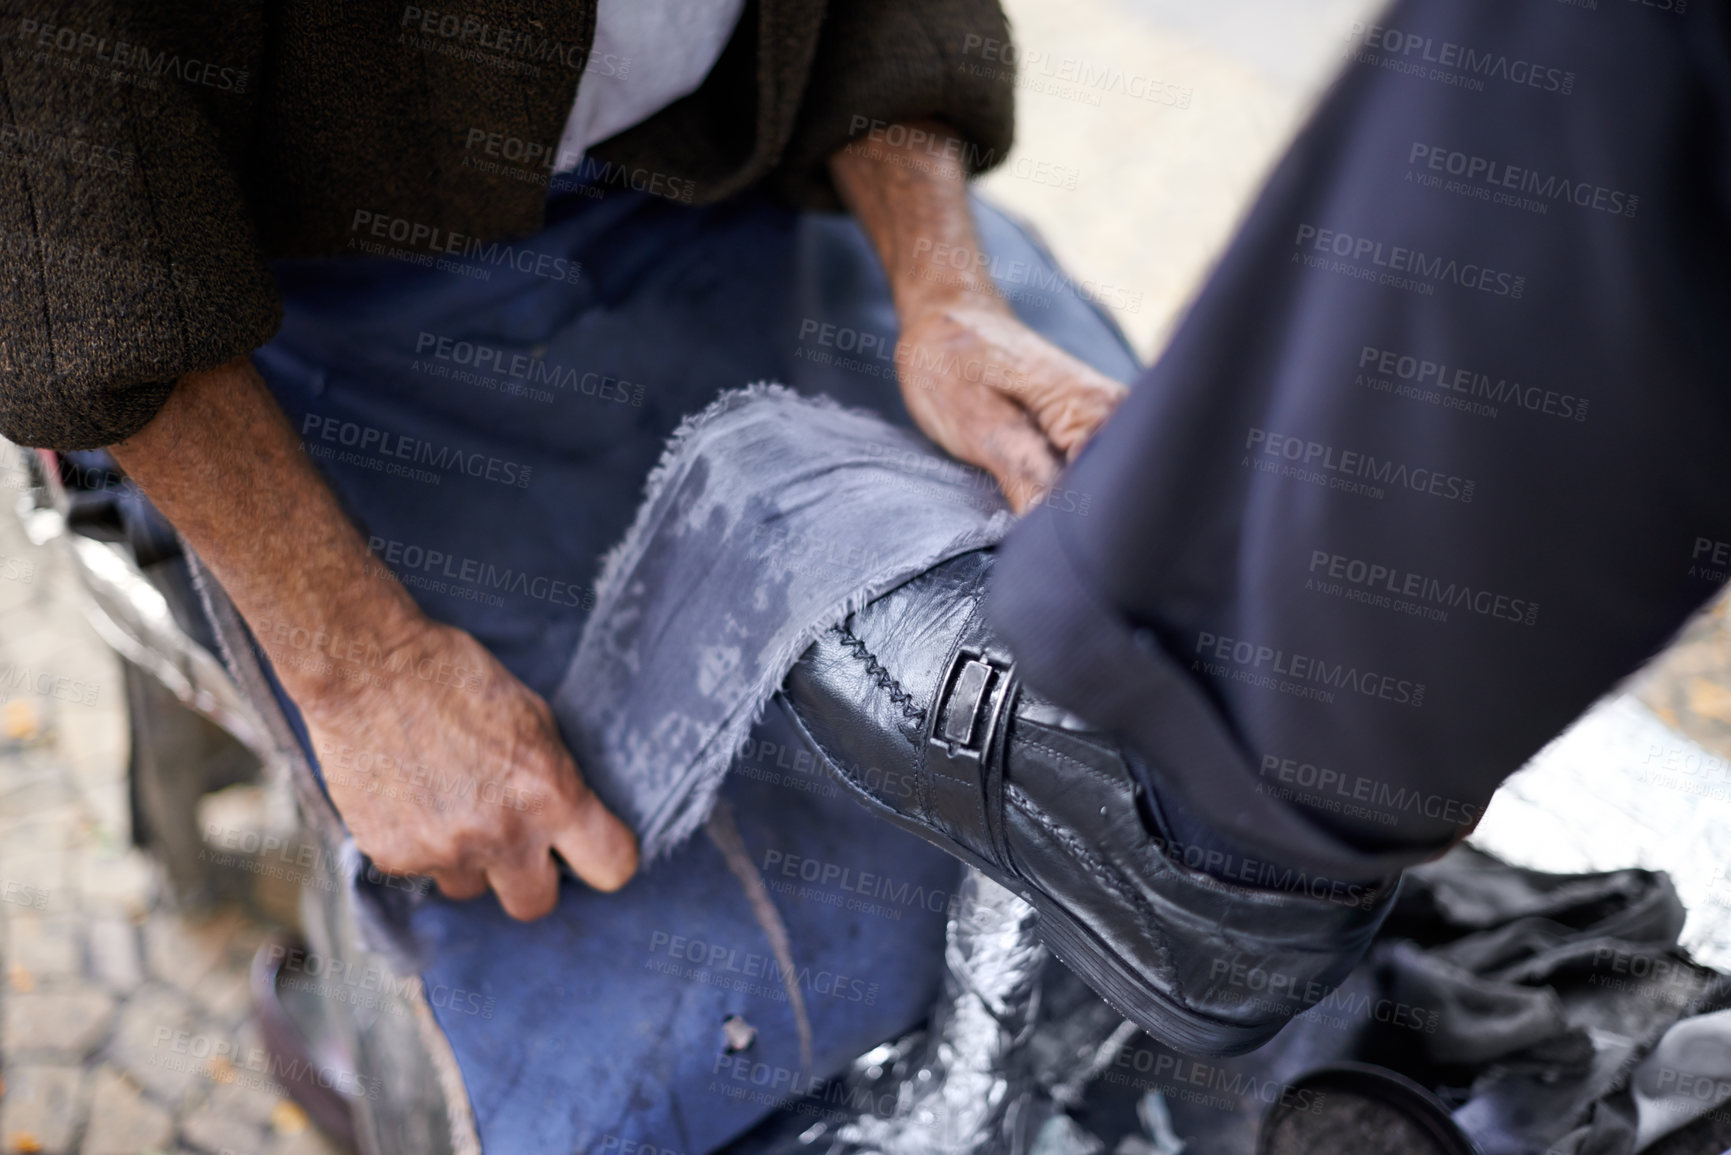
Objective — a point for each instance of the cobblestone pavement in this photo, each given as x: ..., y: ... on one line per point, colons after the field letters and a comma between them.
x: 124, y: 1027
x: 1691, y: 688
x: 1145, y: 127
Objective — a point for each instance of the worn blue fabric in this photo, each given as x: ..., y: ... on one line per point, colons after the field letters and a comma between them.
x: 771, y: 518
x: 490, y: 426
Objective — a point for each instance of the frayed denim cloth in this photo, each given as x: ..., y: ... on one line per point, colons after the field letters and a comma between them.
x: 770, y: 519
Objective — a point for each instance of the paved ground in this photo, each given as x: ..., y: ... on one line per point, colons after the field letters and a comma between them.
x: 124, y: 1028
x: 1145, y: 127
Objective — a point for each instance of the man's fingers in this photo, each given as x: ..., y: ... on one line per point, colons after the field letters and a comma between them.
x: 598, y: 847
x: 460, y: 885
x: 527, y: 888
x: 991, y: 430
x: 1019, y: 458
x: 1068, y: 398
x: 1071, y: 403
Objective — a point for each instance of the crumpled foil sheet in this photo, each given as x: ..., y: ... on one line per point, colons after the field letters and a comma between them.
x: 989, y: 1073
x: 1621, y: 789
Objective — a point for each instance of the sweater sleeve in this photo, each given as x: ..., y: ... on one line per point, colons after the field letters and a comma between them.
x: 127, y: 253
x: 882, y: 62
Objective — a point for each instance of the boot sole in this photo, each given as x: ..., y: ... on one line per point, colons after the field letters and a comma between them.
x: 1072, y: 943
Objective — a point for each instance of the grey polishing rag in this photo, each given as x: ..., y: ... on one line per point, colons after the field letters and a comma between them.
x: 770, y: 518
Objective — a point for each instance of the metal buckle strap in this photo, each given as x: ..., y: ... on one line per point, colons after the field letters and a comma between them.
x: 967, y: 727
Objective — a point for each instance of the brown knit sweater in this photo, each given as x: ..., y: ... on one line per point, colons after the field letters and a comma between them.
x: 154, y: 156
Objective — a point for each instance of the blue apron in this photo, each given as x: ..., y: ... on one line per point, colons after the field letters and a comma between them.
x: 489, y: 423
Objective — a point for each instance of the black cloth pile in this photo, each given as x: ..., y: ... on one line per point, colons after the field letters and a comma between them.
x: 1553, y: 1013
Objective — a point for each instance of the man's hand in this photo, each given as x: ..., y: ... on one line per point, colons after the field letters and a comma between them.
x: 451, y: 767
x: 438, y: 759
x: 979, y: 382
x: 996, y: 394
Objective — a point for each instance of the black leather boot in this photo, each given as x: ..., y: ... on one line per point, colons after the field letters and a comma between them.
x: 915, y: 695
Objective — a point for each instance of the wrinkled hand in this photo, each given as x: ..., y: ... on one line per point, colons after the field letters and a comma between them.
x: 438, y: 759
x: 994, y: 393
x: 444, y: 764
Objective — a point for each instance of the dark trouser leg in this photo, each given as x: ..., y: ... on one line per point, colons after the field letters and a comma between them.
x: 1439, y: 455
